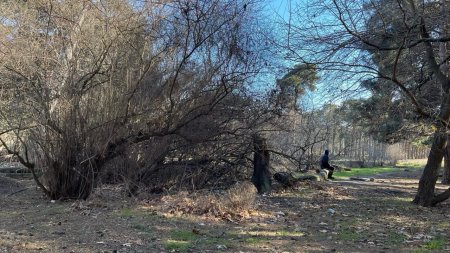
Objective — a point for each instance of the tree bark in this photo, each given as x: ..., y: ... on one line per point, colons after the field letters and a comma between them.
x: 426, y: 193
x: 427, y: 183
x: 444, y: 69
x: 261, y: 162
x: 446, y: 169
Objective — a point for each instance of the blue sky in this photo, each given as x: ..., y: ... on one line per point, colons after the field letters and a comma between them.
x: 280, y: 7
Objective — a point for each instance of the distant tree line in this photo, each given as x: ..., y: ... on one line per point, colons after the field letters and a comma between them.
x: 302, y: 136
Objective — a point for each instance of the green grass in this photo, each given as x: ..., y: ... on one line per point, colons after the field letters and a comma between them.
x: 255, y: 240
x: 394, y: 238
x: 129, y: 212
x: 286, y: 233
x: 178, y: 246
x: 365, y: 172
x: 183, y: 235
x: 180, y: 240
x: 359, y: 172
x: 277, y: 233
x: 435, y: 244
x: 349, y: 235
x: 347, y: 231
x: 393, y: 201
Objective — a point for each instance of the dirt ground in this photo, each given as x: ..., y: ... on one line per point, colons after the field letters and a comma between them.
x: 336, y: 216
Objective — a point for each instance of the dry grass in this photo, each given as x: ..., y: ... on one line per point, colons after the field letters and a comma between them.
x: 231, y: 204
x: 240, y: 197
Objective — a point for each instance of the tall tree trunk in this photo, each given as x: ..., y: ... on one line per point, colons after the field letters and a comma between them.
x: 427, y: 183
x: 446, y: 169
x: 261, y: 175
x: 426, y: 193
x: 444, y: 69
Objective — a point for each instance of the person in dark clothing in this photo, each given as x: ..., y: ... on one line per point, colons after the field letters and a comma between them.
x: 324, y: 164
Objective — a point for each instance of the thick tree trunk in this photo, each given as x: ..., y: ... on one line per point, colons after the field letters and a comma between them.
x: 427, y: 183
x: 261, y: 175
x: 444, y: 69
x: 426, y: 193
x: 446, y: 169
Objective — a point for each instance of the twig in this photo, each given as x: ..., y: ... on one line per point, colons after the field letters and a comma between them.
x: 21, y: 190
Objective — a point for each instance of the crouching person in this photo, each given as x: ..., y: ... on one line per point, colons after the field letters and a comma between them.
x: 325, y: 164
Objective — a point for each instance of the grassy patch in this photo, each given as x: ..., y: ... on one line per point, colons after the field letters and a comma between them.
x: 180, y: 240
x: 357, y: 172
x: 435, y: 244
x: 395, y: 201
x: 179, y: 246
x: 347, y: 231
x: 128, y: 212
x: 9, y: 214
x: 183, y: 235
x: 255, y: 240
x: 348, y: 234
x: 256, y: 237
x: 394, y: 238
x: 286, y: 233
x: 278, y: 233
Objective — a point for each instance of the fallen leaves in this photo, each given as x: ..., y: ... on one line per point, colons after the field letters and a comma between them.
x: 291, y: 221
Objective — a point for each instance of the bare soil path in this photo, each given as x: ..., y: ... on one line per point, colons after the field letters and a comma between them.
x: 336, y: 216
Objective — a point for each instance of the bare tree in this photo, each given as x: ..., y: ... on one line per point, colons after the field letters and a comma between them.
x: 82, y: 82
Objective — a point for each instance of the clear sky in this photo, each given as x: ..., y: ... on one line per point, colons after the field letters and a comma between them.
x: 280, y: 7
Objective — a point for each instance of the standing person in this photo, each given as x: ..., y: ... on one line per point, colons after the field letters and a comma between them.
x: 324, y: 164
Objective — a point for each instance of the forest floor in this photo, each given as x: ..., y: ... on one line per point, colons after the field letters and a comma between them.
x: 334, y: 216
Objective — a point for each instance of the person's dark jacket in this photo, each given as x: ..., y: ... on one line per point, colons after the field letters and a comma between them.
x: 324, y: 161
